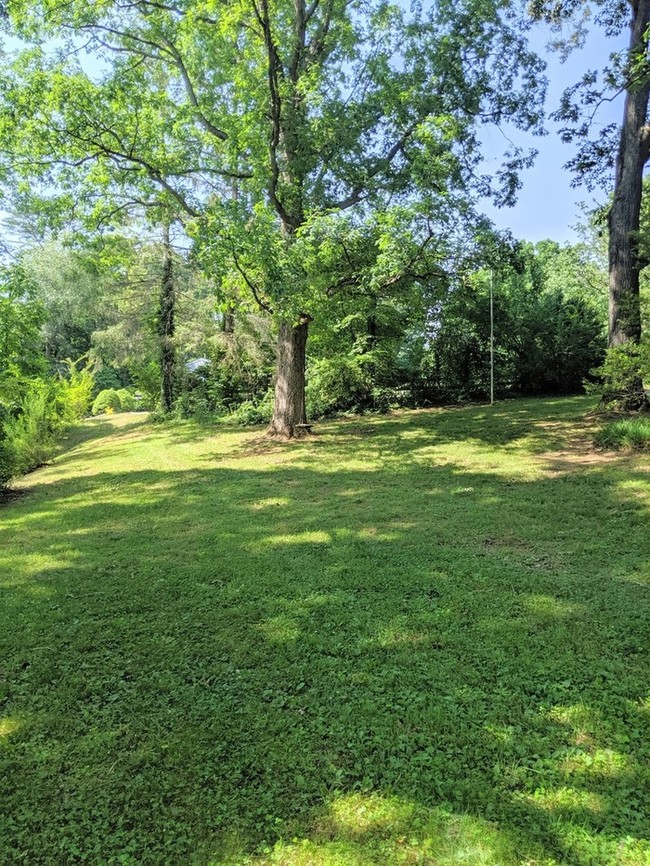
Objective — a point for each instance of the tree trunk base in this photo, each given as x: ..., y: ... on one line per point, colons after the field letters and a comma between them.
x: 297, y: 433
x: 289, y: 416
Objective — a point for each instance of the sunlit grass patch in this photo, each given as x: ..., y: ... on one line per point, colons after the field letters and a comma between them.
x: 372, y: 830
x: 8, y: 726
x: 569, y: 800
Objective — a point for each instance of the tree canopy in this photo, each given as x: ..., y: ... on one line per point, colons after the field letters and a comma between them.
x: 277, y: 127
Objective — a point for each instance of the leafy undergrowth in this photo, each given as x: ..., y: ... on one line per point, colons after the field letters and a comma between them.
x: 418, y: 639
x: 631, y: 434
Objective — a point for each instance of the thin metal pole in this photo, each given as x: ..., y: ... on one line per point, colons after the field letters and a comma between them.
x: 491, y: 339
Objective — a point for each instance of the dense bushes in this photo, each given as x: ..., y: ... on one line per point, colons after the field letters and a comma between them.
x: 106, y: 401
x: 30, y: 427
x: 235, y: 381
x: 75, y: 390
x: 6, y: 458
x: 432, y: 346
x: 30, y: 424
x: 338, y: 384
x: 372, y: 381
x: 252, y: 412
x: 127, y: 400
x: 622, y: 375
x: 30, y: 431
x: 545, y: 343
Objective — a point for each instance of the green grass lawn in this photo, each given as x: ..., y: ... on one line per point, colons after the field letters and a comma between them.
x: 414, y: 639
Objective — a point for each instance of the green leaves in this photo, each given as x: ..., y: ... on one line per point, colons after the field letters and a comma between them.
x: 325, y: 108
x: 21, y: 316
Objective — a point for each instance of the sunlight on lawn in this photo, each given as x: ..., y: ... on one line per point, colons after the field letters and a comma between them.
x: 547, y: 606
x: 270, y: 503
x: 280, y: 629
x: 8, y: 726
x: 299, y: 538
x: 374, y: 830
x: 17, y: 569
x: 569, y: 800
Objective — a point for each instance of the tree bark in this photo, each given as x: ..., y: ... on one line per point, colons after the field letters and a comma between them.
x: 228, y: 323
x: 289, y: 411
x: 167, y: 326
x: 287, y: 117
x: 624, y: 216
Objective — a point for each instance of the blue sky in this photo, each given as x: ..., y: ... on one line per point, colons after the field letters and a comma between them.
x: 548, y: 206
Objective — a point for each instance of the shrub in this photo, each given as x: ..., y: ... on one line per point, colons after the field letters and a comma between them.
x: 621, y: 376
x: 6, y: 453
x: 337, y: 384
x: 30, y: 433
x: 106, y: 401
x: 631, y: 434
x: 75, y: 392
x: 144, y: 402
x: 196, y: 403
x: 250, y: 413
x: 127, y: 400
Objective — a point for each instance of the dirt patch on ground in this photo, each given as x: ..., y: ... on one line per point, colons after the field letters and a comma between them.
x: 579, y: 453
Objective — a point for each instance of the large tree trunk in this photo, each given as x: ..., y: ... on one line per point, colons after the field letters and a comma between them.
x: 624, y: 216
x: 289, y: 412
x: 167, y: 326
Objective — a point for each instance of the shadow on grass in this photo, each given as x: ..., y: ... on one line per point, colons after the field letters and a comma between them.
x: 394, y: 666
x: 534, y: 425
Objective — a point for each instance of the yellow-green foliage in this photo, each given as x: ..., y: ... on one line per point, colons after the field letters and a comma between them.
x: 75, y: 390
x: 127, y: 400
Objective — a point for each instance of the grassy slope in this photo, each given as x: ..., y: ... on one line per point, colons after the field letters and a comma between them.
x: 413, y: 639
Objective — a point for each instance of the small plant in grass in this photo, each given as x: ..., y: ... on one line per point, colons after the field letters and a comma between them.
x: 628, y: 434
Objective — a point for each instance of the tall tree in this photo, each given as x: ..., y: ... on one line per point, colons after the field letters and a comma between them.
x: 321, y: 110
x: 627, y: 156
x: 364, y: 111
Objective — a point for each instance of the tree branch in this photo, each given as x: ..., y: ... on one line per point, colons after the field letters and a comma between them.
x: 262, y: 304
x: 191, y: 94
x: 359, y: 192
